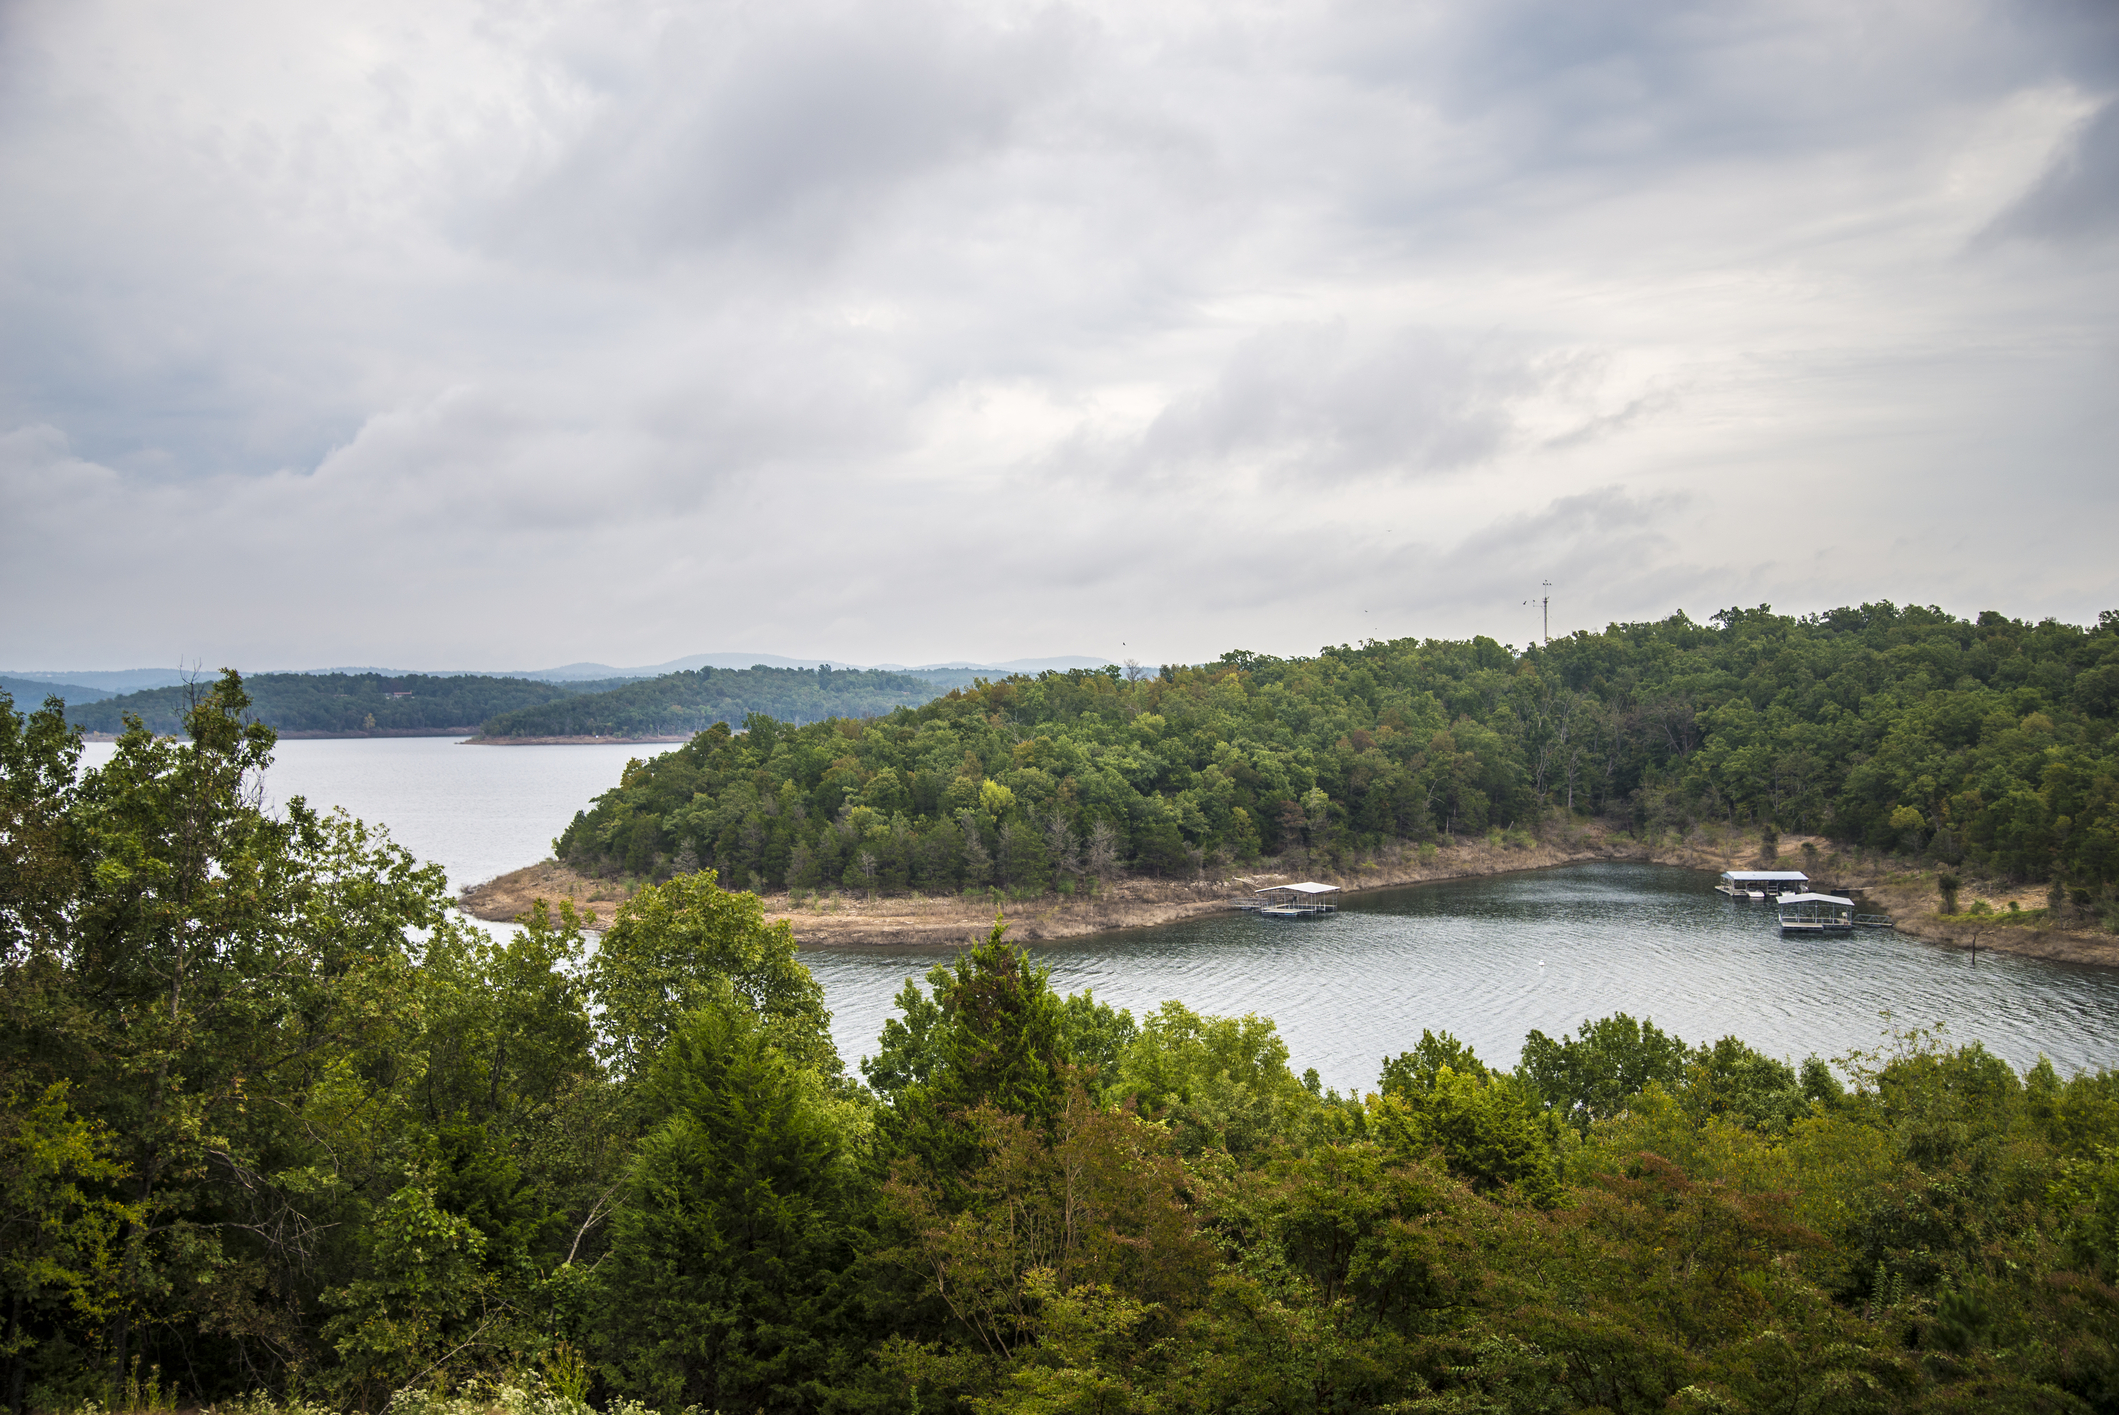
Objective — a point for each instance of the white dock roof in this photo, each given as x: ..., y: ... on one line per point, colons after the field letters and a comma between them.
x: 1306, y: 887
x: 1748, y: 875
x: 1817, y: 899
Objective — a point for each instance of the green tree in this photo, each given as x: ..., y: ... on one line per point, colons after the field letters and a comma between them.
x: 682, y: 944
x: 910, y: 1047
x: 226, y: 990
x: 58, y: 1232
x: 1594, y: 1072
x: 1073, y: 1243
x: 717, y: 1290
x: 996, y: 1037
x: 1487, y: 1128
x: 1414, y: 1071
x: 1218, y: 1082
x: 426, y: 1290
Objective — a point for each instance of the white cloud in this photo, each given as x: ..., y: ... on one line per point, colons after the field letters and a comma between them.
x: 458, y: 334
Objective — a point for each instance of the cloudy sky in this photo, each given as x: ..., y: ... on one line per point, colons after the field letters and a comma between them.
x: 449, y: 334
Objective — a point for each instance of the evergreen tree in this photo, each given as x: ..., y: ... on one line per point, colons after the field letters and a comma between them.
x: 716, y: 1292
x: 997, y: 1038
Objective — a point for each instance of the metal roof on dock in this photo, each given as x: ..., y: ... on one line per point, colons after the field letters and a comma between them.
x: 1306, y: 887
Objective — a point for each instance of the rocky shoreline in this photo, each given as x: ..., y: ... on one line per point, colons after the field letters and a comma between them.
x: 571, y: 741
x: 844, y: 919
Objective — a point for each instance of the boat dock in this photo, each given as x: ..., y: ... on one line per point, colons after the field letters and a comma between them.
x: 1825, y: 914
x: 1762, y: 884
x: 1290, y: 901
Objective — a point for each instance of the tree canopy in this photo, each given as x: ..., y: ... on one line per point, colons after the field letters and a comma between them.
x: 335, y: 702
x: 694, y: 700
x: 1987, y: 741
x: 273, y: 1120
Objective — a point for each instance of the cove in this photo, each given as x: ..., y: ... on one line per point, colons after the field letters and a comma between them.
x: 1489, y: 959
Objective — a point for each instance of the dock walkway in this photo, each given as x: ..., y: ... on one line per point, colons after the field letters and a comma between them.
x: 1290, y: 901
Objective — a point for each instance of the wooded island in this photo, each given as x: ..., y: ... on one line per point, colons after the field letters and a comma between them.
x: 1987, y: 745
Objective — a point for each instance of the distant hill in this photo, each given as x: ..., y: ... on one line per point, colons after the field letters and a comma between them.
x: 91, y: 685
x: 679, y: 704
x: 121, y: 680
x: 31, y: 692
x: 348, y: 703
x: 573, y: 671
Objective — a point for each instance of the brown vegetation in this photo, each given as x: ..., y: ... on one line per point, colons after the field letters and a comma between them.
x: 566, y: 741
x: 841, y: 917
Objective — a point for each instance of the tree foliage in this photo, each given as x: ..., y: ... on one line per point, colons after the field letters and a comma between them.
x: 339, y: 702
x: 1988, y: 742
x: 271, y: 1118
x: 694, y: 700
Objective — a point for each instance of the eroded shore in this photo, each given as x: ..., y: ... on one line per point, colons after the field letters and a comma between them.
x: 844, y: 918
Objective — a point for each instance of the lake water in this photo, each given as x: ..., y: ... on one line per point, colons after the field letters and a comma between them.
x: 1487, y: 959
x: 475, y: 811
x: 1490, y: 959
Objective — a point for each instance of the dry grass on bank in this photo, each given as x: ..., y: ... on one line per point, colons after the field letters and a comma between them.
x: 846, y: 918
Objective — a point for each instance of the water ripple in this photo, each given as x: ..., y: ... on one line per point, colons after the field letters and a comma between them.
x: 1491, y: 959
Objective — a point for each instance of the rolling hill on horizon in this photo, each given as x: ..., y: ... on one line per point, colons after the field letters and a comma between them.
x: 105, y: 683
x: 352, y: 704
x: 683, y: 703
x: 29, y: 692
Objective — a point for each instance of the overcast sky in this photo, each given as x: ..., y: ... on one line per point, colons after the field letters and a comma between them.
x: 457, y: 335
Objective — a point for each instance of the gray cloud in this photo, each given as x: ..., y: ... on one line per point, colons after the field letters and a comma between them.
x: 779, y: 128
x: 1306, y: 402
x: 2077, y: 199
x: 454, y: 334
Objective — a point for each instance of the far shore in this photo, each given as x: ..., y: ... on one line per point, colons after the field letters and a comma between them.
x: 573, y: 741
x: 288, y: 734
x: 470, y: 734
x: 843, y: 918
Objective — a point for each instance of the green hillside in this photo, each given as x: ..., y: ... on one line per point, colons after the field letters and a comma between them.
x: 342, y: 702
x: 1989, y: 741
x: 678, y: 703
x: 30, y: 691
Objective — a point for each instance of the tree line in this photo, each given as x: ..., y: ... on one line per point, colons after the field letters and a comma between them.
x: 693, y: 701
x: 37, y: 689
x: 1986, y: 742
x: 272, y: 1119
x: 339, y: 702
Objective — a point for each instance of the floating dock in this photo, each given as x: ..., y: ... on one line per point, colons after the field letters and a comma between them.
x: 1290, y: 901
x: 1816, y: 914
x: 1762, y: 884
x: 1825, y: 914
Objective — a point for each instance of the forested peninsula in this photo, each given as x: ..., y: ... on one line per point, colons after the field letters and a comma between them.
x: 680, y: 704
x: 340, y: 704
x: 672, y: 706
x: 279, y: 1133
x: 1984, y: 744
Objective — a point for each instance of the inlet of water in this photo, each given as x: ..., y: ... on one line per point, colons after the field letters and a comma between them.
x: 1490, y: 959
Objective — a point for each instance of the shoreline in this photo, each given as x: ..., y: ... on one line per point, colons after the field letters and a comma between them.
x: 289, y: 734
x: 839, y: 919
x: 469, y: 734
x: 477, y: 741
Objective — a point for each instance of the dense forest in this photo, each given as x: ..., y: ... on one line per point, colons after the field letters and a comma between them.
x: 679, y: 703
x: 273, y: 1120
x: 339, y: 702
x: 1987, y: 742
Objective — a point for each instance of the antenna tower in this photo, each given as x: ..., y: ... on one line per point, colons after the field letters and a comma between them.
x: 1544, y: 603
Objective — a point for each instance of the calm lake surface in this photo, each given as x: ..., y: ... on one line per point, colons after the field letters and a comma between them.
x: 1490, y: 959
x: 1487, y: 959
x: 475, y: 811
